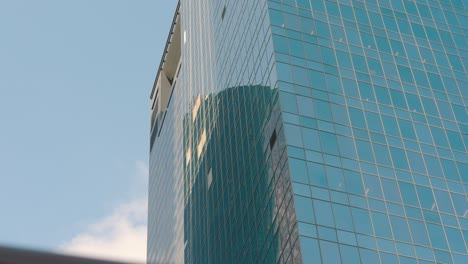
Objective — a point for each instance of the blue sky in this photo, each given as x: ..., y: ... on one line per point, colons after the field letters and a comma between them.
x: 75, y: 80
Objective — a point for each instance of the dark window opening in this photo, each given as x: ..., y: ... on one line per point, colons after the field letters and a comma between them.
x: 273, y: 139
x: 223, y: 13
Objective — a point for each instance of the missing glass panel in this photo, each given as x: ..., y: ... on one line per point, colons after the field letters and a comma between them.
x: 223, y: 13
x: 273, y: 139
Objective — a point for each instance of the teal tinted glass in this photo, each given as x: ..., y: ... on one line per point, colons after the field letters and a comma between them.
x: 392, y: 138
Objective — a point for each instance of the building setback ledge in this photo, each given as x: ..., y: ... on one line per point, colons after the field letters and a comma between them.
x: 166, y: 48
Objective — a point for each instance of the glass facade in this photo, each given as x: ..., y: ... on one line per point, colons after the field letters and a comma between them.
x: 220, y: 190
x: 374, y: 97
x: 297, y: 131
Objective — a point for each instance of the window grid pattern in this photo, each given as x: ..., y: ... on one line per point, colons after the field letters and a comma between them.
x: 374, y: 97
x: 220, y: 192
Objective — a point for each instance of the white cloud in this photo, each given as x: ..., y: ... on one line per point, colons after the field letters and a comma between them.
x: 118, y: 236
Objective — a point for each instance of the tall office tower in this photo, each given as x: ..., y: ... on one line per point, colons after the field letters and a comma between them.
x: 311, y: 131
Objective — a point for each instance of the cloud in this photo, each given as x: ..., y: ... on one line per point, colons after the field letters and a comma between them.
x: 119, y: 236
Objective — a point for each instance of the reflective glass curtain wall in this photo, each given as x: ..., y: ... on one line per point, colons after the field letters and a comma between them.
x: 314, y: 131
x: 220, y: 190
x: 374, y: 97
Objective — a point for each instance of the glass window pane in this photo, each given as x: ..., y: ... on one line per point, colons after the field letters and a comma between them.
x: 330, y: 252
x: 349, y: 254
x: 401, y: 228
x: 310, y: 250
x: 362, y: 223
x: 342, y: 216
x: 304, y: 211
x: 317, y: 175
x: 323, y: 214
x: 298, y: 170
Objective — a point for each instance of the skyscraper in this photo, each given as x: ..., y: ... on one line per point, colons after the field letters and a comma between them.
x: 297, y: 131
